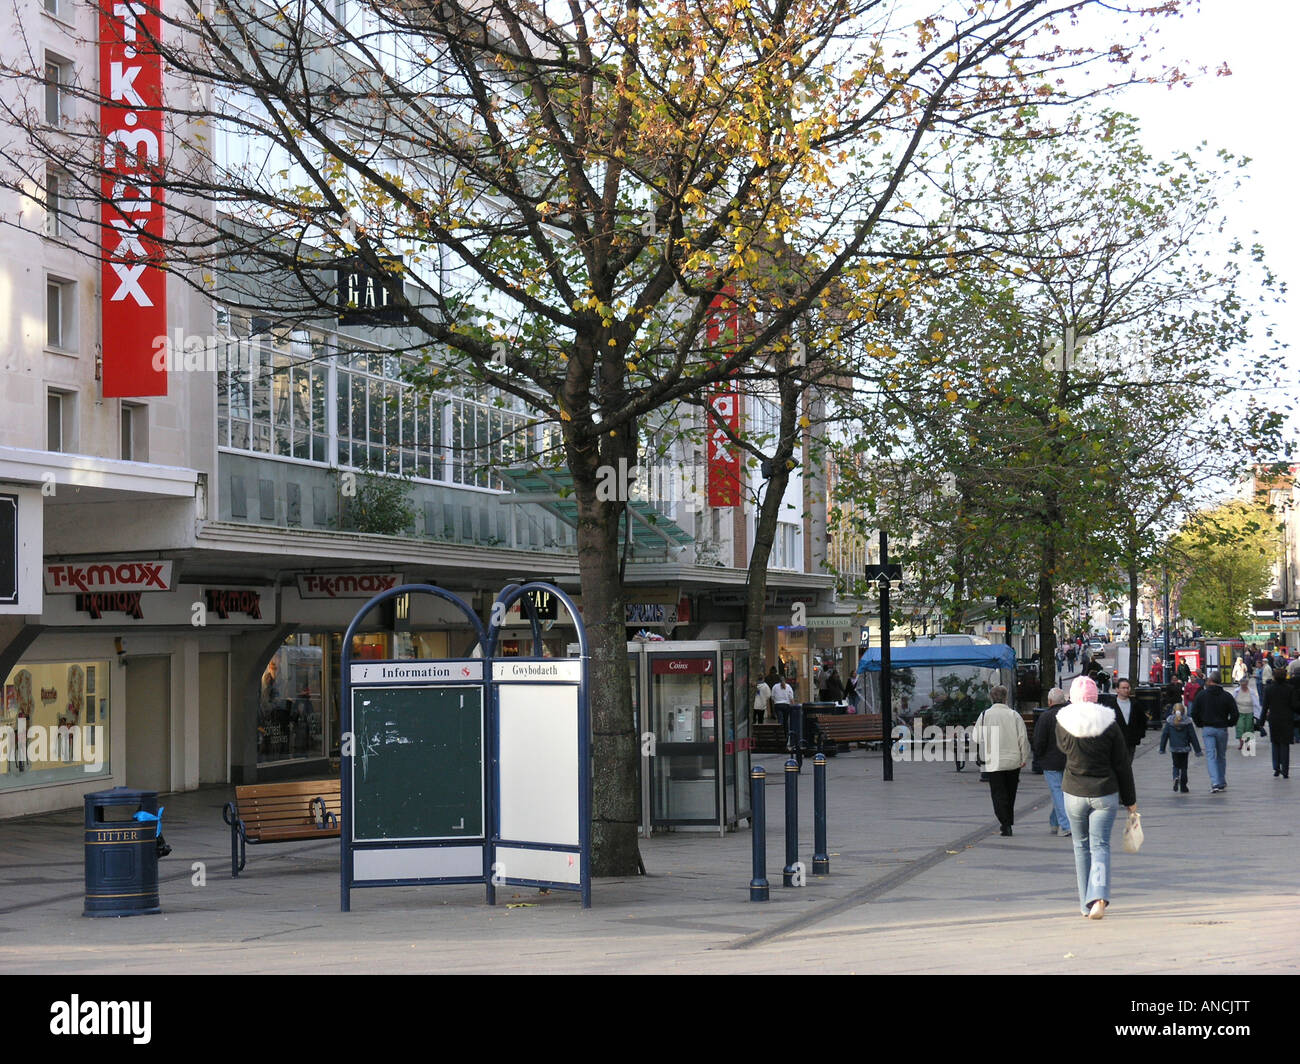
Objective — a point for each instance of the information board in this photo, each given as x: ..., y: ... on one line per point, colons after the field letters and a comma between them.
x: 417, y: 762
x: 468, y: 770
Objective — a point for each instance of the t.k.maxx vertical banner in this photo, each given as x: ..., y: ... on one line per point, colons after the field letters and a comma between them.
x: 134, y: 286
x: 724, y: 462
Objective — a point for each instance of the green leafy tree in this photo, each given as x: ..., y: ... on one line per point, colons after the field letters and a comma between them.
x: 1036, y: 398
x: 1226, y: 558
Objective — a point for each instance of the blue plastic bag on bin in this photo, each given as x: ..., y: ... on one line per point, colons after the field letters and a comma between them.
x: 144, y: 817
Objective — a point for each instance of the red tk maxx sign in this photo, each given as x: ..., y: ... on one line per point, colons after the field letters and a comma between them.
x: 723, y: 463
x: 134, y: 286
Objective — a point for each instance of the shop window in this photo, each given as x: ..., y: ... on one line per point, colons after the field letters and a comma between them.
x: 54, y: 727
x: 290, y: 717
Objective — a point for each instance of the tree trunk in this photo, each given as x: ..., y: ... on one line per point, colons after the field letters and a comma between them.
x: 1047, y: 616
x: 765, y: 522
x: 614, y: 742
x: 1134, y: 632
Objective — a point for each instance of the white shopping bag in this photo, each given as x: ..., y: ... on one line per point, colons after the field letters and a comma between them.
x: 1133, y: 833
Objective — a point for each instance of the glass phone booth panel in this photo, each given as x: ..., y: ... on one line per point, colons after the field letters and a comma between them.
x: 737, y: 739
x: 684, y: 708
x: 635, y: 664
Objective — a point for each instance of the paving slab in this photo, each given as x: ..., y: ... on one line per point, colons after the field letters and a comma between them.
x: 920, y: 882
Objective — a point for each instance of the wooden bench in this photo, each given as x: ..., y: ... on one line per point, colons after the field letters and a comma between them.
x: 849, y: 728
x: 281, y: 812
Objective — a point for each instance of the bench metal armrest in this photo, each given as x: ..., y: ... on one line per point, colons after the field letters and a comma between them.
x: 238, y: 839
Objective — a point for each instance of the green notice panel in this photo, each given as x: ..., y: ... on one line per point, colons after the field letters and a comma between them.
x: 418, y: 762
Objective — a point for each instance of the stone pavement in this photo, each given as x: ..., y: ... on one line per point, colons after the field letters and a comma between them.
x: 921, y: 883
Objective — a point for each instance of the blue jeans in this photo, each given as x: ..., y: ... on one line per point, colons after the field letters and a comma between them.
x: 1215, y: 741
x: 1059, y: 818
x: 1091, y: 820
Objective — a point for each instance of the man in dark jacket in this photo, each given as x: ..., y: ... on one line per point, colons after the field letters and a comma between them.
x: 1214, y: 711
x: 1131, y: 720
x: 1280, y: 703
x: 831, y: 690
x: 1051, y: 760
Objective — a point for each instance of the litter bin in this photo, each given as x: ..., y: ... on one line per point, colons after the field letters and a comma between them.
x: 1148, y: 700
x: 121, y: 853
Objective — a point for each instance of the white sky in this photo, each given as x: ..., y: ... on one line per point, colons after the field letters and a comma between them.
x: 1250, y: 113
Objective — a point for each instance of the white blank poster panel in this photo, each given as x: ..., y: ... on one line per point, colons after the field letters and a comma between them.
x: 539, y: 763
x: 549, y: 866
x: 443, y: 862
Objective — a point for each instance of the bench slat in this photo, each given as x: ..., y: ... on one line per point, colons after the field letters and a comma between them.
x: 281, y: 812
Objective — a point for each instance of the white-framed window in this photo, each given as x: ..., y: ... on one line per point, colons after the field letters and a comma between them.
x: 134, y: 432
x: 60, y: 420
x: 274, y: 392
x: 784, y: 547
x: 55, y: 190
x: 58, y: 77
x: 60, y: 313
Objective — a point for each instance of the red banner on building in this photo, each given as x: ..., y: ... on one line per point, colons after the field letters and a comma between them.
x: 724, y: 461
x: 134, y: 287
x: 724, y: 406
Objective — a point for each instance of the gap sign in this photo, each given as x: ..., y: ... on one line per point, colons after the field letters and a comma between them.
x: 134, y: 286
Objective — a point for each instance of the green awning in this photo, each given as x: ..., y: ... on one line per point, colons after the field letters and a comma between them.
x: 552, y: 489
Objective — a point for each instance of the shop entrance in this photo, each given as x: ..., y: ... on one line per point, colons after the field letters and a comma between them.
x: 148, y: 728
x: 214, y: 707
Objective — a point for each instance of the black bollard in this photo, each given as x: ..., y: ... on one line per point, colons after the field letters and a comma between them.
x: 790, y: 870
x: 758, y: 822
x: 821, y: 862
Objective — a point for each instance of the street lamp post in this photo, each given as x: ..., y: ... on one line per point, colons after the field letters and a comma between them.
x: 882, y: 575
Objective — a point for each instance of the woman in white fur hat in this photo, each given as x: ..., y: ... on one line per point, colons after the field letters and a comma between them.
x: 1098, y: 780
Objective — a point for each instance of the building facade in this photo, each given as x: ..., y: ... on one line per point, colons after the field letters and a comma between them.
x: 180, y: 568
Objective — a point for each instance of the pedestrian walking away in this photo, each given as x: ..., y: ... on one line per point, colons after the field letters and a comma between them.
x: 1180, y: 737
x: 1263, y: 677
x: 1003, y: 745
x: 1214, y: 711
x: 782, y: 699
x: 762, y: 702
x: 1281, y: 700
x: 1248, y: 708
x: 1098, y: 780
x: 1052, y: 761
x: 831, y: 689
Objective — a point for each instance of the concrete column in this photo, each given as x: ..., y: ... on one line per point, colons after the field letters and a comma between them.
x: 185, y: 714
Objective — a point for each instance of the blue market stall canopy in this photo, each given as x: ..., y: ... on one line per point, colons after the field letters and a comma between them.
x: 995, y: 656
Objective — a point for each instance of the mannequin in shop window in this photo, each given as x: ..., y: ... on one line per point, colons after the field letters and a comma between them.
x: 300, y: 721
x: 268, y: 727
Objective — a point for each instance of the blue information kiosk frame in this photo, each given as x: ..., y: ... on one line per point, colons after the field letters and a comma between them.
x: 412, y: 815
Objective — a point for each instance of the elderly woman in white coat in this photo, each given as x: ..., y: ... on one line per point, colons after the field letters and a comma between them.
x: 1098, y: 779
